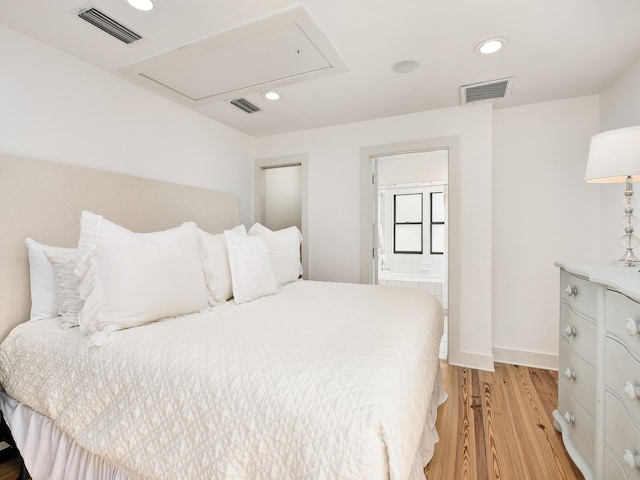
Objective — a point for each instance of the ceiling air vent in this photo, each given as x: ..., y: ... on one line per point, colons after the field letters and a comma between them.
x: 478, y: 92
x: 107, y: 24
x: 244, y: 105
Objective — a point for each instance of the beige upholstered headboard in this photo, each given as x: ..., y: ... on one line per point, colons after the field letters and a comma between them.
x: 43, y: 200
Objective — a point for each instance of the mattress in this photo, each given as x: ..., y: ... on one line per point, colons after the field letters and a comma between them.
x: 321, y: 381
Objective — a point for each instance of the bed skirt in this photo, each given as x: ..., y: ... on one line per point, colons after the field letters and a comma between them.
x: 50, y: 454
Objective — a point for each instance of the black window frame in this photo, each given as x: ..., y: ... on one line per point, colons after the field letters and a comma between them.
x: 432, y: 223
x: 421, y: 223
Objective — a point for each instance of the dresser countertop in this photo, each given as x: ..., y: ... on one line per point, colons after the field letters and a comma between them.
x: 622, y: 278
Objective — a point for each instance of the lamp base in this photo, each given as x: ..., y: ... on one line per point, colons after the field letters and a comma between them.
x: 629, y: 259
x: 629, y: 241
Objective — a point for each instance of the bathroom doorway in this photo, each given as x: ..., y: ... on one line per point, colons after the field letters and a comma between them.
x: 412, y: 224
x: 414, y: 254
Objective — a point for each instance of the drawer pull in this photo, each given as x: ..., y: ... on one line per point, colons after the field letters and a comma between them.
x: 631, y: 326
x: 632, y: 461
x: 570, y: 374
x: 569, y: 418
x: 631, y: 391
x: 570, y: 330
x: 571, y: 290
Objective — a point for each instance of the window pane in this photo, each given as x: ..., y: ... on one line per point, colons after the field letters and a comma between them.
x: 437, y: 238
x: 408, y: 238
x: 437, y: 207
x: 408, y: 208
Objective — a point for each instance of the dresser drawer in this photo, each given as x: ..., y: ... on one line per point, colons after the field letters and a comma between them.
x: 613, y: 470
x: 579, y: 376
x: 581, y: 427
x: 579, y: 332
x: 622, y: 313
x: 622, y: 376
x: 622, y: 437
x: 579, y: 293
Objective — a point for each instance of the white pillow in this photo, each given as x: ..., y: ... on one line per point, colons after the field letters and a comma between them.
x: 128, y: 279
x: 44, y: 293
x: 215, y: 261
x: 284, y: 251
x: 64, y: 262
x: 251, y: 273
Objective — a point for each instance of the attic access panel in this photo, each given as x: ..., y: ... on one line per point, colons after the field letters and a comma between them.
x: 268, y: 53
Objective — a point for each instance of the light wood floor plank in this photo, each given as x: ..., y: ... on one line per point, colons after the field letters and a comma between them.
x: 466, y: 468
x: 491, y: 440
x: 524, y: 421
x: 509, y: 454
x: 480, y: 426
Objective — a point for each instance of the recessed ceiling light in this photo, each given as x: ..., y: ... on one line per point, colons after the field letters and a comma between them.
x: 489, y: 46
x: 271, y: 95
x: 144, y: 5
x: 405, y: 66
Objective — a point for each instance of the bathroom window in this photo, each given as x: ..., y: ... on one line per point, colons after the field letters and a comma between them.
x: 407, y: 223
x: 437, y: 223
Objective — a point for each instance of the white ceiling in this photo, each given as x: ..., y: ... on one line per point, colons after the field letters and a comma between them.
x: 556, y: 49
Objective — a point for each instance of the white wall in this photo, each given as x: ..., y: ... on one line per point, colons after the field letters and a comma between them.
x: 619, y: 107
x: 58, y: 108
x: 620, y: 99
x: 413, y: 167
x: 334, y: 201
x: 542, y: 212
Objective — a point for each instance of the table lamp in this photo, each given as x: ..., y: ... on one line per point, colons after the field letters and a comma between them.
x: 614, y: 157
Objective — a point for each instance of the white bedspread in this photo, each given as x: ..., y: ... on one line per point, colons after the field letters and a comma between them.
x: 321, y: 381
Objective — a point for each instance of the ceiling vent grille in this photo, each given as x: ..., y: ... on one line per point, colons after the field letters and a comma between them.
x: 107, y: 24
x: 479, y: 92
x: 244, y: 105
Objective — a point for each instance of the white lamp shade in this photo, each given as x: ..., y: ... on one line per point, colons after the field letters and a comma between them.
x: 613, y: 156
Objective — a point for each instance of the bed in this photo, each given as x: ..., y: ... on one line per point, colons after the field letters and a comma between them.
x: 315, y: 380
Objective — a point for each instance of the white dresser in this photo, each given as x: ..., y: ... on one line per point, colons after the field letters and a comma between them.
x: 599, y: 369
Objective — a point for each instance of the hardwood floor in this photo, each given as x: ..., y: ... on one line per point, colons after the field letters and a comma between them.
x: 9, y: 469
x: 499, y: 426
x: 493, y: 426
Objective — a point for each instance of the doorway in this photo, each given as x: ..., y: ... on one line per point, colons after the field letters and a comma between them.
x: 280, y: 197
x: 414, y: 255
x: 412, y: 224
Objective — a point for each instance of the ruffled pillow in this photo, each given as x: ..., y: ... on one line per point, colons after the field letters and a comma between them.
x: 44, y: 292
x: 64, y: 262
x: 129, y: 279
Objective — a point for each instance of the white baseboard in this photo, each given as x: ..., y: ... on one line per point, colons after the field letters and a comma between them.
x: 471, y: 360
x: 547, y: 361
